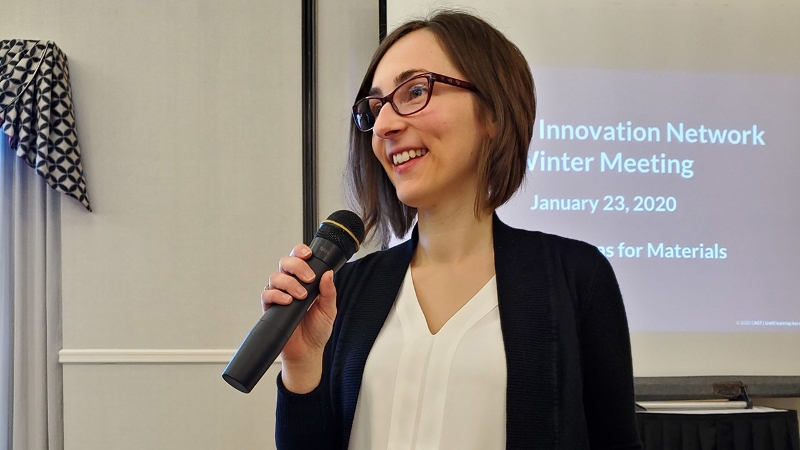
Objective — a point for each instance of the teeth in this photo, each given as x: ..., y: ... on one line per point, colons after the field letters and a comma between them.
x: 400, y: 158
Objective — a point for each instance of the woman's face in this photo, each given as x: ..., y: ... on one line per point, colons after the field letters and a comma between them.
x: 446, y: 133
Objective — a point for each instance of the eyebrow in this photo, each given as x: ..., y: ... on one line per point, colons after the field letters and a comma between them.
x: 404, y: 75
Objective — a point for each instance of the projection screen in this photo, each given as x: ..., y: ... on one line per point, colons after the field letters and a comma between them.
x: 667, y: 135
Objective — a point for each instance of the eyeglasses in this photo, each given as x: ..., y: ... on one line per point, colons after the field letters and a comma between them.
x: 410, y: 97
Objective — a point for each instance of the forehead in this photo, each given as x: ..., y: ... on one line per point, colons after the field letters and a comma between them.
x: 419, y: 51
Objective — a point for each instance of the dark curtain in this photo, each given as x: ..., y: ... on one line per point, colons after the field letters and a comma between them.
x: 742, y: 431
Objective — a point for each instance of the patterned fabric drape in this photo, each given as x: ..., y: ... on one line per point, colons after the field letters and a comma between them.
x: 36, y: 113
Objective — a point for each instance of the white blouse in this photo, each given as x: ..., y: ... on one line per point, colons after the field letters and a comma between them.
x: 434, y: 391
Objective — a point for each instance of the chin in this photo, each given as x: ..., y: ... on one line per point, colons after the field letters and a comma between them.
x: 409, y: 199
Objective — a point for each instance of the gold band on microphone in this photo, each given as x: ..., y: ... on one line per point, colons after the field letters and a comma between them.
x: 358, y: 244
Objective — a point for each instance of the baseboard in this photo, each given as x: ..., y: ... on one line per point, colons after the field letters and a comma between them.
x: 145, y: 356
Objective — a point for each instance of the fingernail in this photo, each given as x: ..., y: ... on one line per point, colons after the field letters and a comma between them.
x: 305, y: 252
x: 300, y: 292
x: 310, y: 277
x: 287, y: 298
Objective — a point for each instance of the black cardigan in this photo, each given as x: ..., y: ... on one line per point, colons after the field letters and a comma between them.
x: 565, y: 333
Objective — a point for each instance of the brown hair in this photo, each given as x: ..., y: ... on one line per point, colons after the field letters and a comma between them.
x: 505, y: 96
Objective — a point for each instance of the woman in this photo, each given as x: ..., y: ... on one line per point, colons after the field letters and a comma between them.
x: 471, y: 335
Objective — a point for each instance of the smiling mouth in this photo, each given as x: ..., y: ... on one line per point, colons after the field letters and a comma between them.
x: 408, y: 155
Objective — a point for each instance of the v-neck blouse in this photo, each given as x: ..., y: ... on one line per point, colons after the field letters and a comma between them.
x: 432, y: 391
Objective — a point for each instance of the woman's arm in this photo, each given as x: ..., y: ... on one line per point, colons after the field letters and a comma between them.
x: 304, y: 418
x: 607, y: 366
x: 305, y: 421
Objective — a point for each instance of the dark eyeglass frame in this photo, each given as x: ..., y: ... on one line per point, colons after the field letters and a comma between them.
x: 432, y: 79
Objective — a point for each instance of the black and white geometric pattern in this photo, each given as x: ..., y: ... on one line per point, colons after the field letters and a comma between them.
x: 36, y: 113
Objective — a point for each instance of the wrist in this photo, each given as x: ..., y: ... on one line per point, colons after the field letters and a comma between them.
x: 302, y: 376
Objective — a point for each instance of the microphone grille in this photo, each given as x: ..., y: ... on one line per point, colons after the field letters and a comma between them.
x: 345, y: 229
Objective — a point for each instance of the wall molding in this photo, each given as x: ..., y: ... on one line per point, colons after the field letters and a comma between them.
x: 146, y: 356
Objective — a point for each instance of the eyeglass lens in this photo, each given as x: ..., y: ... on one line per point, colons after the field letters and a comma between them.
x: 408, y: 98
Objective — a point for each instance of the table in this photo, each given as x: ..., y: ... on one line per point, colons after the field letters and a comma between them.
x: 755, y: 429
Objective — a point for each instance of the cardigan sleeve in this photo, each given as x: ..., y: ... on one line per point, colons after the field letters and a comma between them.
x: 308, y: 421
x: 303, y: 421
x: 606, y: 361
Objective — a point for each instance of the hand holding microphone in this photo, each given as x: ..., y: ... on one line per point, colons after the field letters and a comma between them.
x: 301, y: 357
x: 314, y: 330
x: 297, y: 324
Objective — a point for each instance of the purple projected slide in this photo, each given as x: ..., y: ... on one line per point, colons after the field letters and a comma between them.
x: 688, y: 182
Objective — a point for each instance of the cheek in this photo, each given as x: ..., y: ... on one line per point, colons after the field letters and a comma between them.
x: 434, y: 123
x: 379, y: 151
x: 377, y: 147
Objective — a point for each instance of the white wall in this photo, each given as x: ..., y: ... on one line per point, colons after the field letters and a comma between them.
x: 189, y: 119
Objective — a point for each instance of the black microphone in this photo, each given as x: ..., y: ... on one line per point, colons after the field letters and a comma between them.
x: 337, y: 239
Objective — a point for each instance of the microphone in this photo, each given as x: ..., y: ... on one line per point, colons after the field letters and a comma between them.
x: 337, y: 239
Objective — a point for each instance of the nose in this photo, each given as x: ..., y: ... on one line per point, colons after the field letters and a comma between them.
x: 388, y: 122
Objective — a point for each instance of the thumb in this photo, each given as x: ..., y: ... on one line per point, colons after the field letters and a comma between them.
x: 327, y: 295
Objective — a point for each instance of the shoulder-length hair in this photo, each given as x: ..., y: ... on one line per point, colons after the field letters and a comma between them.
x: 506, y: 98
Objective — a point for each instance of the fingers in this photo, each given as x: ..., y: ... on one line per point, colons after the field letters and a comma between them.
x: 283, y: 285
x: 301, y: 251
x: 271, y: 295
x: 289, y: 284
x: 282, y: 288
x: 293, y: 265
x: 326, y: 299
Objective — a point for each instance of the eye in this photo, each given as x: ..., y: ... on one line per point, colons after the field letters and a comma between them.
x: 375, y: 107
x: 418, y: 89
